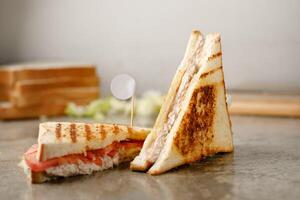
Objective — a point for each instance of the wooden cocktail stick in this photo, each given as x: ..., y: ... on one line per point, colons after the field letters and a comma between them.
x: 132, y: 110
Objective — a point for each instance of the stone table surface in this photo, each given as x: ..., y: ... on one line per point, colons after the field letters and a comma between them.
x: 264, y: 165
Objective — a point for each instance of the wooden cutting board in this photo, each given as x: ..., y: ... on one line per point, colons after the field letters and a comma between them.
x: 284, y: 105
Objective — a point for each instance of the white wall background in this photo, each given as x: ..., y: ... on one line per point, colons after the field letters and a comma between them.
x: 261, y: 38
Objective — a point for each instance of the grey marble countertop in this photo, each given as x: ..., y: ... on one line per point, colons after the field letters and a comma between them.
x: 264, y: 165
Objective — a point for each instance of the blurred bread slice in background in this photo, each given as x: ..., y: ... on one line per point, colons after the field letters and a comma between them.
x: 9, y: 112
x: 5, y: 79
x: 64, y: 94
x: 4, y: 92
x: 31, y: 89
x: 30, y: 71
x: 25, y: 86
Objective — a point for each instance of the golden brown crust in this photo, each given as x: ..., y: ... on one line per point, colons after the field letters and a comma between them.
x: 210, y: 72
x: 88, y: 133
x: 73, y: 133
x: 102, y: 132
x: 58, y: 131
x: 196, y: 129
x: 193, y: 47
x: 140, y: 168
x: 214, y: 56
x: 137, y: 134
x: 40, y: 177
x: 116, y: 129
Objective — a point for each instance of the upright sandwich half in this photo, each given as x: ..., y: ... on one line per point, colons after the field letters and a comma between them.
x: 193, y: 121
x: 67, y: 149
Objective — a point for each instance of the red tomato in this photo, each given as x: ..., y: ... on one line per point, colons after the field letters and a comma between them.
x: 34, y: 164
x: 112, y: 153
x: 90, y: 155
x: 98, y: 161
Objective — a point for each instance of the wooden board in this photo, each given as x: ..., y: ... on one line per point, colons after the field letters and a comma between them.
x: 284, y: 105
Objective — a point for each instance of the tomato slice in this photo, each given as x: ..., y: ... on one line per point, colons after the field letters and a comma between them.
x: 112, y: 153
x: 34, y: 164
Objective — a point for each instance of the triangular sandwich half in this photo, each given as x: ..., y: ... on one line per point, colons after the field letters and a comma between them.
x: 67, y: 149
x: 193, y: 122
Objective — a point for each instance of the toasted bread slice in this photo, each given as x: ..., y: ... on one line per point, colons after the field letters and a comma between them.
x: 56, y: 96
x: 205, y: 128
x: 140, y: 163
x: 202, y: 126
x: 75, y: 138
x: 32, y: 71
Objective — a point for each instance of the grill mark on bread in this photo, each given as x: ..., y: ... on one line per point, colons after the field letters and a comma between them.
x: 210, y: 72
x: 116, y: 129
x: 88, y: 133
x: 73, y: 133
x: 214, y: 56
x: 196, y: 130
x: 58, y: 131
x: 102, y: 132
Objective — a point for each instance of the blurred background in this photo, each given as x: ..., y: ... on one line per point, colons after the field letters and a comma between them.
x: 147, y: 39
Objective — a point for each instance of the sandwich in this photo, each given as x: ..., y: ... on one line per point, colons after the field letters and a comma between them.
x: 193, y: 122
x: 68, y: 149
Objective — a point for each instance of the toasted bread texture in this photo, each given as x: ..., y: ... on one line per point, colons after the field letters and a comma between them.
x: 203, y: 126
x: 62, y: 138
x: 140, y: 163
x: 32, y: 71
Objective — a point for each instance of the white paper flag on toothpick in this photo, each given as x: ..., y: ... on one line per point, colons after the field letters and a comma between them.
x: 123, y: 87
